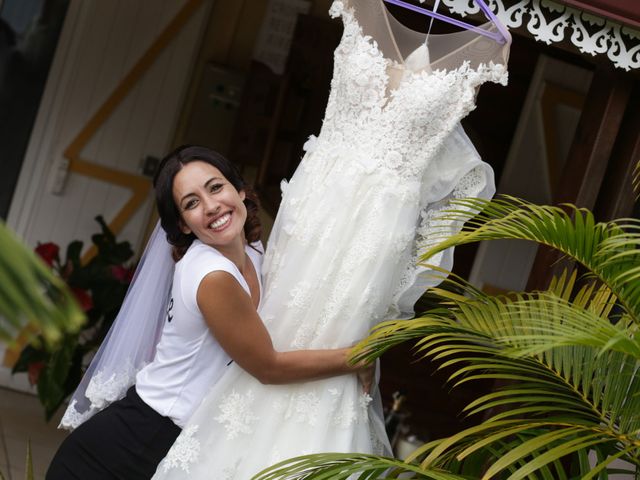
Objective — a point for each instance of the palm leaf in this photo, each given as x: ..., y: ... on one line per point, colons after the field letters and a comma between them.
x: 609, y: 251
x: 548, y: 322
x: 31, y: 294
x: 573, y: 376
x: 29, y: 463
x: 343, y: 466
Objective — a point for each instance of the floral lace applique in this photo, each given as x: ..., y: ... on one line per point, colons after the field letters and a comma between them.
x: 237, y: 414
x: 364, y: 401
x: 303, y: 408
x: 336, y: 9
x: 346, y: 412
x: 300, y: 297
x: 184, y: 452
x: 470, y: 184
x: 229, y: 473
x: 377, y: 445
x: 72, y: 418
x: 101, y: 391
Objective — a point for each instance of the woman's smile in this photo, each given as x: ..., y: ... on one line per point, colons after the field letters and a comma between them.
x: 210, y: 206
x: 221, y: 222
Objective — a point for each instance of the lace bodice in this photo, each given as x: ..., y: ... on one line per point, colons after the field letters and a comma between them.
x: 397, y: 129
x: 396, y: 119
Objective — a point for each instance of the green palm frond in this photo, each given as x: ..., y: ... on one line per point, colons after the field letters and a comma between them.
x: 30, y: 294
x: 478, y: 316
x: 343, y: 466
x: 545, y: 322
x: 556, y: 346
x: 609, y: 251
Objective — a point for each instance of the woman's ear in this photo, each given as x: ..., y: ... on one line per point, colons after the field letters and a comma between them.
x: 242, y: 195
x: 183, y: 227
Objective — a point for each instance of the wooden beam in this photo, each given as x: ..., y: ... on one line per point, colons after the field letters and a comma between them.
x: 617, y: 198
x: 588, y: 157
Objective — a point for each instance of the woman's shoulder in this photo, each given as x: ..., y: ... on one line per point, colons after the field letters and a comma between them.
x: 201, y: 256
x: 197, y: 263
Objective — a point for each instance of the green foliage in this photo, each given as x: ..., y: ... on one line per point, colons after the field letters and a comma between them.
x: 31, y: 295
x: 29, y: 463
x: 566, y: 359
x: 100, y: 286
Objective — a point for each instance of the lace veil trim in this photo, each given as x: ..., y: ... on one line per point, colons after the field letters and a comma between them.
x: 131, y: 341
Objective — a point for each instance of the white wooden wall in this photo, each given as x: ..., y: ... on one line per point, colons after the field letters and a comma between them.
x: 100, y: 42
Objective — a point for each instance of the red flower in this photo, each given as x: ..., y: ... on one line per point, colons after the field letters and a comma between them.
x: 48, y: 252
x: 121, y: 273
x: 33, y: 372
x: 83, y: 297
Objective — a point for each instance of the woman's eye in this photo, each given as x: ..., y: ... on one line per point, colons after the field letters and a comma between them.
x: 215, y: 187
x: 190, y: 204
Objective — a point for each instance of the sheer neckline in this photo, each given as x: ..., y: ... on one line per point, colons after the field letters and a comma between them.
x: 396, y: 77
x: 431, y: 65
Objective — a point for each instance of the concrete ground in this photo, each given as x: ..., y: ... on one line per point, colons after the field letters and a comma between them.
x: 21, y: 421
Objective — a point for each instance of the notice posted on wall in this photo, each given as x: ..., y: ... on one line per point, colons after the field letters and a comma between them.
x: 276, y: 32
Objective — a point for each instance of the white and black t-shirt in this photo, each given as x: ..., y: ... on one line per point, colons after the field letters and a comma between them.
x: 188, y: 358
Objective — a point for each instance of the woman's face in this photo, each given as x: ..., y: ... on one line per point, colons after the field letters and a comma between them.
x: 210, y: 206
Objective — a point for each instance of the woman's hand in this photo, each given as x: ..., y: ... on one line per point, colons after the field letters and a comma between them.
x: 366, y: 375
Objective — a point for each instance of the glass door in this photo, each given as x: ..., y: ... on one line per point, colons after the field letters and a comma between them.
x: 29, y: 33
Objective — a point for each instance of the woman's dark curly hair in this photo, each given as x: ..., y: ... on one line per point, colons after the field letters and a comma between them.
x: 170, y: 218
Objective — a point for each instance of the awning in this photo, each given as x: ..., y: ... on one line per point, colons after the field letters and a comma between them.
x: 625, y: 12
x: 594, y: 27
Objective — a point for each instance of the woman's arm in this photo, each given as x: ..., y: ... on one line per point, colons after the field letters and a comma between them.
x: 238, y: 328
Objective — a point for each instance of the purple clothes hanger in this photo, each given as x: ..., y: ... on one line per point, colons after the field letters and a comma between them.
x: 500, y: 36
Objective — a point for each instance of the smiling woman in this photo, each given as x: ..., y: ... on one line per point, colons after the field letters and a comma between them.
x: 210, y: 219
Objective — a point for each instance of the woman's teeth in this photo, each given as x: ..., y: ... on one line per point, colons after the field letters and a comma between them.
x: 220, y: 222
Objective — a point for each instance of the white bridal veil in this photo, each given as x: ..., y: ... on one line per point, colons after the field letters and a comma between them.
x: 131, y: 341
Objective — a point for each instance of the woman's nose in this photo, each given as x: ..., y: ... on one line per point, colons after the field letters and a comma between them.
x: 211, y: 206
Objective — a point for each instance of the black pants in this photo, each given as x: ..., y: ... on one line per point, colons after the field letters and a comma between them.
x: 127, y: 440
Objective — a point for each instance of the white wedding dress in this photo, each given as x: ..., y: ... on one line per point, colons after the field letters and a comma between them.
x: 343, y: 251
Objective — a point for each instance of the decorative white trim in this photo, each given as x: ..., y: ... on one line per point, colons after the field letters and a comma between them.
x: 550, y: 22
